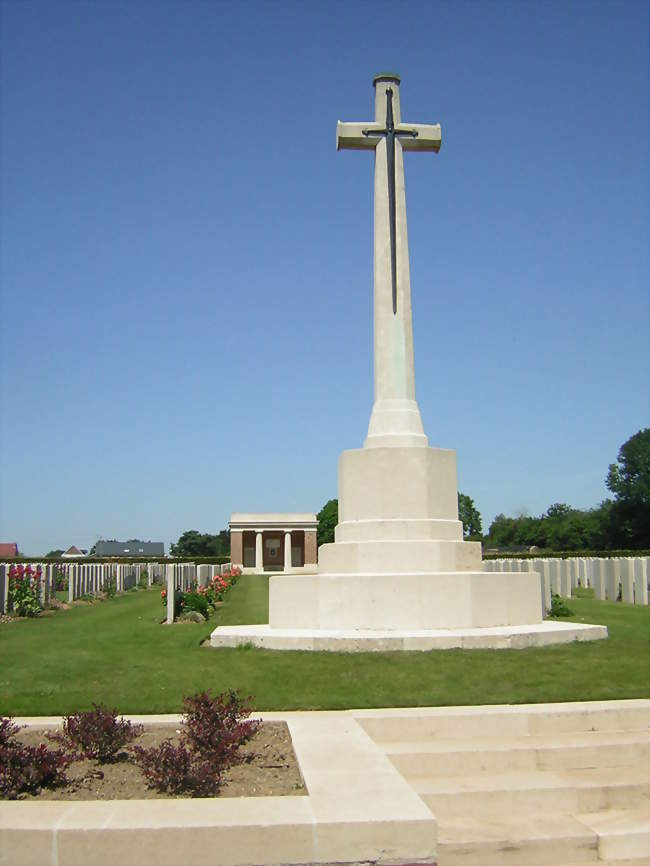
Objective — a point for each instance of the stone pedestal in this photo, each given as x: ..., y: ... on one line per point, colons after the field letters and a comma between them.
x: 399, y: 560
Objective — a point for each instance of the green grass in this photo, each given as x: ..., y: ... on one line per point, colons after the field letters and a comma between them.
x: 118, y: 653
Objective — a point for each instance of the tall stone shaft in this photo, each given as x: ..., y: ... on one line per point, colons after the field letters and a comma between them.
x: 395, y: 420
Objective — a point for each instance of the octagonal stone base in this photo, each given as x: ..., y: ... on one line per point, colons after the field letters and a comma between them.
x: 399, y: 575
x: 373, y: 600
x: 413, y: 640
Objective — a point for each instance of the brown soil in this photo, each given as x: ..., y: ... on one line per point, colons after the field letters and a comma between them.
x: 269, y: 768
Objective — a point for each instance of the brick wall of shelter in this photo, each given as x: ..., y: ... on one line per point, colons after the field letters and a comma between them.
x: 237, y: 548
x: 311, y: 550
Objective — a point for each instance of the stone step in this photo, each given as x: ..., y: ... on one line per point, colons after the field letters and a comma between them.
x: 634, y: 861
x: 443, y: 757
x: 544, y: 840
x: 515, y: 793
x: 622, y: 834
x: 499, y: 721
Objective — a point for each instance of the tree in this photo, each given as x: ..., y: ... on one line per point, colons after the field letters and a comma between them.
x: 328, y: 517
x: 629, y: 481
x: 558, y: 509
x: 54, y: 554
x: 470, y: 517
x: 193, y: 543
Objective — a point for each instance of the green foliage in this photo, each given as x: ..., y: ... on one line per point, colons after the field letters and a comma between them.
x: 558, y: 606
x: 143, y: 581
x: 629, y: 481
x: 328, y: 517
x: 560, y: 528
x: 54, y: 554
x: 110, y: 587
x: 566, y: 554
x: 470, y: 517
x: 194, y: 601
x: 193, y: 543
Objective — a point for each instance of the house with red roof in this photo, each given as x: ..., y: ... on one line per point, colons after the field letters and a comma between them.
x: 8, y: 550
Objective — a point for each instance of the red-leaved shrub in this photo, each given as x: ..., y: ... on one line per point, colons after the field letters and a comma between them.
x: 214, y: 729
x: 97, y: 733
x: 26, y: 769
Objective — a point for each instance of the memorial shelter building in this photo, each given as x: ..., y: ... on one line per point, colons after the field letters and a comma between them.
x: 273, y: 542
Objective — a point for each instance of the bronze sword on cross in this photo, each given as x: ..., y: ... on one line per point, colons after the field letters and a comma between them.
x: 366, y: 136
x: 390, y: 133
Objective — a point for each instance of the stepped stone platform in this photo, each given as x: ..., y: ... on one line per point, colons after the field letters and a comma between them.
x: 531, y: 785
x: 415, y: 640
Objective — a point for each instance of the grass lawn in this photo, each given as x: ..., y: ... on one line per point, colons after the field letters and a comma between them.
x: 117, y: 653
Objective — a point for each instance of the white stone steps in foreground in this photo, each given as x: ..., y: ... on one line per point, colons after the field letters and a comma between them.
x: 446, y: 757
x: 515, y: 793
x: 634, y: 861
x: 501, y: 721
x: 515, y: 841
x: 547, y: 785
x: 622, y: 834
x: 615, y: 836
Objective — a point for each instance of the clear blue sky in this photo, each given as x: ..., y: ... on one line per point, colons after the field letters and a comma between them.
x: 186, y: 260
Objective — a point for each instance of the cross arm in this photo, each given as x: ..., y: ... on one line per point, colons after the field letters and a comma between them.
x: 349, y: 136
x: 429, y: 136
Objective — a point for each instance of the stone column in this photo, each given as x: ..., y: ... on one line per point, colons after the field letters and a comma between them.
x: 311, y: 547
x: 237, y: 548
x: 259, y: 552
x: 287, y: 552
x: 395, y: 417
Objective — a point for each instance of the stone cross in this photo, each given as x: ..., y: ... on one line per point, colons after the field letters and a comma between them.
x: 395, y: 419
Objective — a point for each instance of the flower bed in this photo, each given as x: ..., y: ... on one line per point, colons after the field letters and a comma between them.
x: 190, y: 761
x: 203, y: 599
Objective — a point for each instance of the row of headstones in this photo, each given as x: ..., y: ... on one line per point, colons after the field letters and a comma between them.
x: 90, y: 578
x: 206, y: 573
x: 182, y: 576
x: 82, y: 578
x: 610, y: 578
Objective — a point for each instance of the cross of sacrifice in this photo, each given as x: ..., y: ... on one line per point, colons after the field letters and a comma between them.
x: 388, y: 137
